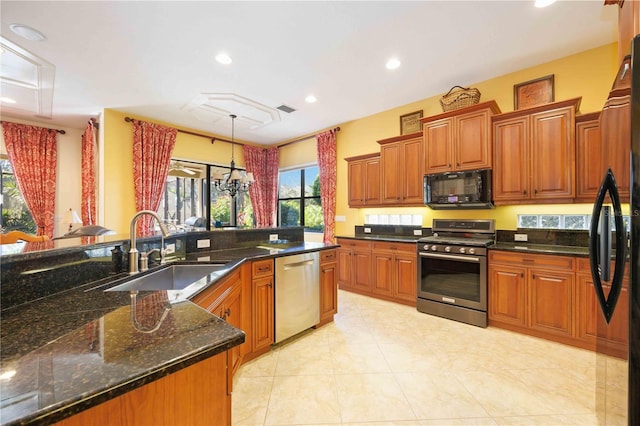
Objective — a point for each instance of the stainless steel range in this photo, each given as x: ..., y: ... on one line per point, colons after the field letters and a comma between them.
x: 452, y: 270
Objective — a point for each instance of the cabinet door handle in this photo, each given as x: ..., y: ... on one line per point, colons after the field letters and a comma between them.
x: 524, y: 192
x: 535, y: 191
x: 521, y: 274
x: 227, y: 312
x: 533, y: 276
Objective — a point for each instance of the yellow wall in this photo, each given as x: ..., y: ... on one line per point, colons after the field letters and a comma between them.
x: 588, y: 74
x: 119, y: 195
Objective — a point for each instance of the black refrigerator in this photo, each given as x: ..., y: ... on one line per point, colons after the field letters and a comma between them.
x: 614, y: 249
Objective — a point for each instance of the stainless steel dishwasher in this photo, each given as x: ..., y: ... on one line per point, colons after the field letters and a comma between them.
x: 297, y: 294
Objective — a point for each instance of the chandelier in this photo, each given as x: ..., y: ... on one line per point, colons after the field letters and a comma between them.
x: 235, y: 181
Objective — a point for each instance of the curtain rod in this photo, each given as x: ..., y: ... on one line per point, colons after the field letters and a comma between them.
x: 62, y: 132
x: 336, y: 129
x: 213, y: 139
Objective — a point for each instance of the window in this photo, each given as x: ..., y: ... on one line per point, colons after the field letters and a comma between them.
x: 299, y: 199
x: 15, y: 214
x: 184, y: 201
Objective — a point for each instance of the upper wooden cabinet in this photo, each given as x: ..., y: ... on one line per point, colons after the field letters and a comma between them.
x: 628, y: 24
x: 534, y: 154
x: 364, y: 180
x: 588, y: 157
x: 459, y: 140
x: 401, y: 172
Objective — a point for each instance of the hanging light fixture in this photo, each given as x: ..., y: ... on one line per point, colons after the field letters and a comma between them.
x: 236, y: 181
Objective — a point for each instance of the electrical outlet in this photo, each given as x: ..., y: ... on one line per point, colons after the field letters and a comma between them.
x: 204, y: 259
x: 367, y: 230
x: 520, y: 237
x: 171, y: 248
x: 417, y: 232
x: 341, y: 219
x: 273, y: 237
x: 204, y: 243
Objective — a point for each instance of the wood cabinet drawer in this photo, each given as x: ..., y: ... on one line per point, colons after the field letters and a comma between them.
x: 355, y: 244
x: 538, y: 260
x: 262, y: 268
x: 584, y: 268
x: 328, y: 256
x: 395, y: 247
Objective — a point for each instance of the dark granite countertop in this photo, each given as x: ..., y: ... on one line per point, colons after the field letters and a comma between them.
x: 542, y: 248
x: 79, y: 347
x: 392, y: 238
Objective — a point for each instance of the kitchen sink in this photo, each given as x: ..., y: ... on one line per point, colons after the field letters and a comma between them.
x: 174, y: 277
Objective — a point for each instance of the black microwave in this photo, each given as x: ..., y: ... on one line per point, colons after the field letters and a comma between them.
x: 458, y: 190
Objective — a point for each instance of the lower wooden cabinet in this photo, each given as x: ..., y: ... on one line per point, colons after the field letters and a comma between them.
x: 225, y: 300
x: 553, y: 297
x: 354, y: 265
x: 194, y: 396
x: 328, y: 285
x: 380, y: 269
x: 589, y: 318
x: 263, y: 305
x: 395, y: 270
x: 532, y: 293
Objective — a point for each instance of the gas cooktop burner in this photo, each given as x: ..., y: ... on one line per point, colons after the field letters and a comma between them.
x: 476, y: 242
x: 476, y: 233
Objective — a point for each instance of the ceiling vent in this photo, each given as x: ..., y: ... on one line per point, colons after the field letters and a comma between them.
x: 286, y: 109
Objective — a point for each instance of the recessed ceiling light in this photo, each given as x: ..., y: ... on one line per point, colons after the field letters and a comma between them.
x: 6, y: 100
x: 310, y: 99
x: 223, y: 58
x: 27, y: 32
x: 393, y: 63
x: 544, y: 3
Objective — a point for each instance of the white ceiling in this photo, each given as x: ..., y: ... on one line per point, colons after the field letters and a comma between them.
x: 156, y: 58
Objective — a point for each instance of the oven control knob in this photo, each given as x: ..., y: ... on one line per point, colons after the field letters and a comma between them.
x: 447, y: 249
x: 472, y: 251
x: 462, y: 250
x: 434, y: 248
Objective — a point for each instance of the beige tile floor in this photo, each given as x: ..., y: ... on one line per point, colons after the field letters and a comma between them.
x: 381, y: 363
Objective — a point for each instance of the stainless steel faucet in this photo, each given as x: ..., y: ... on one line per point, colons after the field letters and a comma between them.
x: 133, y: 251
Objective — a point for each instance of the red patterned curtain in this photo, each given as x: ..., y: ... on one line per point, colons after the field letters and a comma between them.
x: 88, y: 175
x: 263, y: 163
x: 32, y: 152
x: 152, y: 147
x: 327, y: 162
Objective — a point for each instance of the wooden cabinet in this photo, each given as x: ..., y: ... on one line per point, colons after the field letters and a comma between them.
x: 225, y: 300
x: 328, y: 285
x: 395, y: 271
x: 459, y: 140
x: 534, y: 154
x: 532, y: 293
x: 614, y: 340
x: 588, y: 158
x: 628, y: 24
x: 401, y: 170
x: 195, y: 395
x: 354, y: 265
x: 364, y: 180
x: 262, y: 278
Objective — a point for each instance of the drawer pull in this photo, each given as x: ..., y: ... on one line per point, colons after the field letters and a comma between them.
x: 264, y: 269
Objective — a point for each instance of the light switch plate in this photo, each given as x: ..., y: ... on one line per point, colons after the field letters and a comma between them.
x: 520, y: 237
x: 417, y: 232
x: 273, y: 237
x: 367, y: 230
x: 204, y: 243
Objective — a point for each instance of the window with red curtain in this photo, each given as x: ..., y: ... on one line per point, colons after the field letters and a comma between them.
x: 32, y: 151
x: 152, y: 147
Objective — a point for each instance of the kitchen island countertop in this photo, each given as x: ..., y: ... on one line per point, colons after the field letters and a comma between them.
x: 78, y: 348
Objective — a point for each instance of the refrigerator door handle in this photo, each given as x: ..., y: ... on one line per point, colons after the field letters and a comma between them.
x: 607, y: 303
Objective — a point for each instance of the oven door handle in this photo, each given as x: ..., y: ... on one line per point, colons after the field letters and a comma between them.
x: 471, y: 259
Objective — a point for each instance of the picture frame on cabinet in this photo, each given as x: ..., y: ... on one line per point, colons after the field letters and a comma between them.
x: 409, y: 123
x: 534, y: 92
